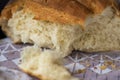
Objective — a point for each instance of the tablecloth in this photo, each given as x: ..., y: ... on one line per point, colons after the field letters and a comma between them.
x: 88, y: 66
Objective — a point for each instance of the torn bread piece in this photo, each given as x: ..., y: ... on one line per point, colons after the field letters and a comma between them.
x: 45, y: 65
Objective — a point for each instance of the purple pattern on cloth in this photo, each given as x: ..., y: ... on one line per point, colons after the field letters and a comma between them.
x: 80, y: 64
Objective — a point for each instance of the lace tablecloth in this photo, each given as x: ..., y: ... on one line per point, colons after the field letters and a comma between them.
x: 88, y: 66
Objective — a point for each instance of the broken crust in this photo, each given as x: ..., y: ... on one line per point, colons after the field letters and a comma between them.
x: 40, y: 77
x: 46, y: 13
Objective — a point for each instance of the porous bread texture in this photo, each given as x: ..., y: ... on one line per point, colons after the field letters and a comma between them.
x: 56, y: 36
x: 101, y: 32
x: 45, y: 65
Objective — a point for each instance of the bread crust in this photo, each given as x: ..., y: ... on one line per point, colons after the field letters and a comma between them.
x: 97, y: 6
x: 73, y: 13
x: 59, y: 11
x: 40, y: 77
x: 10, y: 8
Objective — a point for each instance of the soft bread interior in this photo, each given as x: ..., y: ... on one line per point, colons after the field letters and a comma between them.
x: 101, y: 32
x: 45, y: 65
x: 43, y: 33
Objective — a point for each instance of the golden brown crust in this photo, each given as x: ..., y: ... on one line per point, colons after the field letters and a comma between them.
x: 31, y: 74
x: 10, y: 9
x: 60, y: 11
x: 54, y: 15
x: 40, y: 77
x: 71, y: 9
x: 71, y: 13
x: 97, y: 6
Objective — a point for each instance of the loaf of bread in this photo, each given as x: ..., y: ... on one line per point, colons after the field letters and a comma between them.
x: 64, y: 25
x: 45, y: 65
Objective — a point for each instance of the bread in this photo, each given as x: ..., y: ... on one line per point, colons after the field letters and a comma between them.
x: 54, y: 24
x: 63, y: 13
x: 101, y: 34
x: 45, y: 65
x: 96, y: 5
